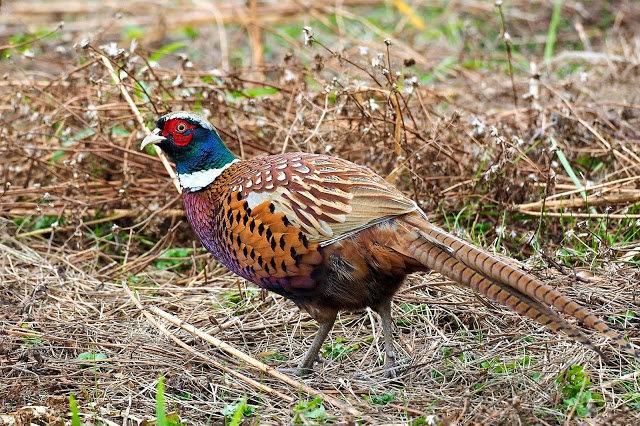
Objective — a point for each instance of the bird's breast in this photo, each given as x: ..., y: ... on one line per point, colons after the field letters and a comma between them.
x: 260, y: 243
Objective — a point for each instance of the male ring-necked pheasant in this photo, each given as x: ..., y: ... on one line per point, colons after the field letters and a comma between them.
x: 331, y: 235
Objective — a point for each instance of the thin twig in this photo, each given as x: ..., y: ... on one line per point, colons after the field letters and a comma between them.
x: 507, y: 42
x: 141, y: 122
x: 296, y: 384
x: 200, y: 355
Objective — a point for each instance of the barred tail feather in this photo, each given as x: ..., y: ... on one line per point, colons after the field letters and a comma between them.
x: 438, y: 260
x: 504, y: 283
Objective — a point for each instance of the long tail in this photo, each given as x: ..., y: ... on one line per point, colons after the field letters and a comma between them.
x: 503, y: 283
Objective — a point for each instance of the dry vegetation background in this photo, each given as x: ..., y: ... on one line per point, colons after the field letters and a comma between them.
x: 541, y: 163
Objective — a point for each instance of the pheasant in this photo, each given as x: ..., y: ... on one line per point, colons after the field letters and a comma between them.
x: 331, y: 235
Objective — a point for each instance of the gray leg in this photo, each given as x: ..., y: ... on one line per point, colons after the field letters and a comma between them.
x: 387, y: 329
x: 306, y: 366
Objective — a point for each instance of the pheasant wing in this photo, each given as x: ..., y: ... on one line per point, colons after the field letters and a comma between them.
x: 326, y: 198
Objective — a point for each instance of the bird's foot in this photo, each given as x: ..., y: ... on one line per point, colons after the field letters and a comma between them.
x: 391, y: 367
x: 296, y: 371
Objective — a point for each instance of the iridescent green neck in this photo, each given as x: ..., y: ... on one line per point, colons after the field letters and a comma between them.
x: 204, y: 160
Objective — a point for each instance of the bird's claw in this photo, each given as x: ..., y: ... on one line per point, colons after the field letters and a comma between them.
x: 390, y: 367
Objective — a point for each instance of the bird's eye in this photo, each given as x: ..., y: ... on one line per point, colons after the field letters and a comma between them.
x: 180, y: 128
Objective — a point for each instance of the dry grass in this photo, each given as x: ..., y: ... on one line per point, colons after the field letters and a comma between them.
x: 84, y: 213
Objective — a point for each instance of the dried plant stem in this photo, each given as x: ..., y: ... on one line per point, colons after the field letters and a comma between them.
x: 507, y: 42
x: 200, y: 355
x: 296, y: 384
x: 140, y: 120
x: 113, y: 214
x: 594, y: 200
x: 582, y: 215
x: 255, y: 34
x: 631, y: 376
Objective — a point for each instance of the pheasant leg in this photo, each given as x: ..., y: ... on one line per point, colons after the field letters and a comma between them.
x: 387, y: 329
x: 310, y: 357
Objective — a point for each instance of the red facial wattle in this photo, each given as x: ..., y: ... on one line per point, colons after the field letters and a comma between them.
x: 181, y: 131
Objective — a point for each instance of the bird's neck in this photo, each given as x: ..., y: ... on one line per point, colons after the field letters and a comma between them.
x: 202, y: 169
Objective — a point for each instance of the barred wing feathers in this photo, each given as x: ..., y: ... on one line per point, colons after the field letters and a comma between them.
x: 327, y: 198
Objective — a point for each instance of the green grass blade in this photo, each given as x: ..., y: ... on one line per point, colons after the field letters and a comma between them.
x: 552, y: 33
x: 73, y: 407
x: 567, y: 167
x: 167, y: 49
x: 161, y: 412
x: 238, y: 414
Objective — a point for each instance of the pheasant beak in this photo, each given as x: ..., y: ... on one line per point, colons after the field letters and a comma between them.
x: 153, y: 137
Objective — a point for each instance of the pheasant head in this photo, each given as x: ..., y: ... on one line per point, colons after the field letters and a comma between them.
x: 195, y: 147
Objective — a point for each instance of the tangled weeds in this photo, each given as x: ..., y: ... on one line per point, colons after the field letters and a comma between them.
x: 86, y: 215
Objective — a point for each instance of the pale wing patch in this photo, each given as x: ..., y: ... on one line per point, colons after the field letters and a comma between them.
x: 255, y: 198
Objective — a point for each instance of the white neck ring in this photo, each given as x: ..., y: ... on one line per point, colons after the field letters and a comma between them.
x: 202, y: 178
